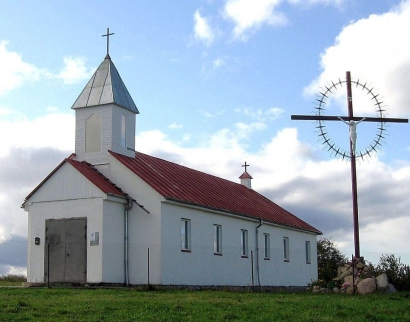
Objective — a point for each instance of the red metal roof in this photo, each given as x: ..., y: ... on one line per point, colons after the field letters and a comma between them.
x: 245, y: 175
x: 97, y: 178
x: 184, y: 185
x: 87, y: 170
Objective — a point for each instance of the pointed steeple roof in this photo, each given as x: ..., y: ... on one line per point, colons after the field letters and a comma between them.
x: 106, y: 87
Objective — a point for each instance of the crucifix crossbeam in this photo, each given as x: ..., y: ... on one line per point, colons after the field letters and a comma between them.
x: 352, y: 121
x: 347, y: 118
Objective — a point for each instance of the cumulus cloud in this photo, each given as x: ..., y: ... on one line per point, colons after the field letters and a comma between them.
x: 14, y: 71
x: 35, y: 147
x: 202, y: 28
x: 289, y: 172
x: 249, y: 15
x: 74, y: 70
x: 49, y: 130
x: 374, y: 49
x: 284, y: 169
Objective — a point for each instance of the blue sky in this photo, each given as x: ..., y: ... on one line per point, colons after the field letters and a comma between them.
x: 216, y: 83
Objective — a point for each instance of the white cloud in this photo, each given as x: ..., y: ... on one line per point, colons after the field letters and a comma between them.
x: 14, y: 71
x: 74, y: 70
x: 284, y: 169
x: 51, y: 130
x: 175, y: 126
x: 288, y: 171
x: 336, y: 3
x: 219, y: 62
x: 376, y: 51
x: 260, y: 115
x: 202, y: 28
x: 249, y: 15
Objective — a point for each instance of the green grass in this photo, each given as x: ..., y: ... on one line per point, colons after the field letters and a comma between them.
x: 20, y: 304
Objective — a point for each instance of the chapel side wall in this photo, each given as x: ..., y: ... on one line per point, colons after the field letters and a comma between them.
x: 80, y: 208
x: 112, y: 242
x: 293, y: 272
x: 144, y: 228
x: 201, y: 267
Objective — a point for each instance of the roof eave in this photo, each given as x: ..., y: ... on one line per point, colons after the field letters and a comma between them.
x: 237, y: 214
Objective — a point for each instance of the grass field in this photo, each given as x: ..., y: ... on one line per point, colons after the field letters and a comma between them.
x: 21, y: 304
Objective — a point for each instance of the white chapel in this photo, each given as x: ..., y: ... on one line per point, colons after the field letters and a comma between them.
x: 108, y: 214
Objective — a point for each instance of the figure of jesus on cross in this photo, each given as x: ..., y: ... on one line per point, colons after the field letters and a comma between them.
x: 352, y: 132
x: 352, y: 121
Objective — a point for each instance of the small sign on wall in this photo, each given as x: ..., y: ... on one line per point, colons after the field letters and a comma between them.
x: 95, y: 238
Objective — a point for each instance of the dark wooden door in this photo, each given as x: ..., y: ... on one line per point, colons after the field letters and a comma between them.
x: 66, y: 250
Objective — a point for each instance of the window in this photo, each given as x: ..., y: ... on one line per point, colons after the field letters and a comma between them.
x: 286, y: 248
x: 185, y: 234
x: 307, y: 248
x: 244, y: 243
x: 93, y: 134
x: 266, y: 241
x: 123, y: 131
x: 217, y: 239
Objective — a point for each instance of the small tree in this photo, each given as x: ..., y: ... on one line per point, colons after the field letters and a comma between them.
x: 397, y: 272
x: 329, y: 258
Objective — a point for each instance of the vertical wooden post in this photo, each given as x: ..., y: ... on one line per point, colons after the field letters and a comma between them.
x: 148, y: 269
x: 253, y: 280
x: 353, y: 173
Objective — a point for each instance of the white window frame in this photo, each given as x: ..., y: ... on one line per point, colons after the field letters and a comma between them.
x: 308, y: 252
x: 286, y: 249
x: 217, y: 239
x: 244, y: 243
x: 185, y: 234
x: 266, y: 242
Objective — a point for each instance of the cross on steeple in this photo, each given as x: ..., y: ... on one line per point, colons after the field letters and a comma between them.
x: 108, y: 34
x: 246, y: 165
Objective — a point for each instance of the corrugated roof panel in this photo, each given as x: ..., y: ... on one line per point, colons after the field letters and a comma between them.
x: 185, y: 185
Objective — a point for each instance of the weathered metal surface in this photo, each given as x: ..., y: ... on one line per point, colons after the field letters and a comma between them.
x: 105, y: 87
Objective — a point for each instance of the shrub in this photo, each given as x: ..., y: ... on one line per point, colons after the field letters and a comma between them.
x: 329, y: 258
x: 13, y: 278
x: 397, y: 272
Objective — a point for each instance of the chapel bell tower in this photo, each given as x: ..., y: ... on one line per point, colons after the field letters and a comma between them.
x: 105, y: 116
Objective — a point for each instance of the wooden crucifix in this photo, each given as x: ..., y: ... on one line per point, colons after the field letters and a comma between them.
x: 352, y: 121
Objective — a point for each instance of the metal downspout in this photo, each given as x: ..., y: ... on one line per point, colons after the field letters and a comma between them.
x: 126, y: 272
x: 257, y: 251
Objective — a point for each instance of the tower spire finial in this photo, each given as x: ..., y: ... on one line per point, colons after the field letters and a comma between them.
x: 108, y: 34
x: 245, y: 166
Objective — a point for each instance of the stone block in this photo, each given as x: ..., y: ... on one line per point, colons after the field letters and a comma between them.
x: 382, y: 282
x: 366, y: 286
